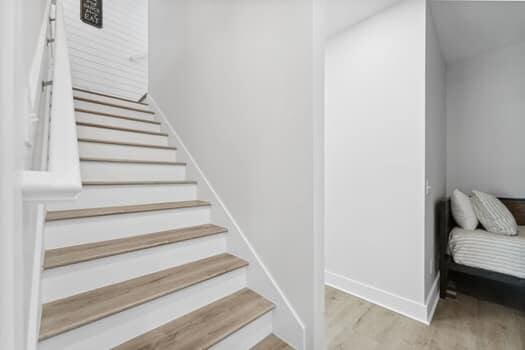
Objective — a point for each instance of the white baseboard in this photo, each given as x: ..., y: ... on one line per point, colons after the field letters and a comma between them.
x: 432, y: 299
x: 406, y: 307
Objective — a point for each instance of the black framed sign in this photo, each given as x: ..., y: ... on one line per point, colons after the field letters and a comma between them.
x: 91, y: 12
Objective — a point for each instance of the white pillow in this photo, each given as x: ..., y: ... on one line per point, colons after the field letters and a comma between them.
x: 493, y: 214
x: 463, y: 211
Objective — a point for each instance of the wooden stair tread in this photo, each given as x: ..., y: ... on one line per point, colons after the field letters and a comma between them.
x: 69, y: 313
x: 111, y: 115
x: 83, y: 99
x: 206, y: 326
x: 272, y: 342
x: 125, y: 209
x: 135, y: 161
x: 86, y: 252
x: 134, y: 183
x: 126, y: 144
x: 110, y: 96
x: 102, y: 126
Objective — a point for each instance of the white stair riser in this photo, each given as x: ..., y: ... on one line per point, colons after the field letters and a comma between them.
x: 114, y: 101
x: 64, y: 233
x: 107, y: 196
x: 116, y: 122
x: 104, y: 150
x: 116, y: 329
x: 88, y: 132
x: 101, y: 171
x: 65, y: 281
x: 248, y: 336
x: 113, y: 110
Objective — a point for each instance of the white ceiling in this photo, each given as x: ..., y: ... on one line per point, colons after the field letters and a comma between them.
x: 468, y: 28
x: 341, y: 14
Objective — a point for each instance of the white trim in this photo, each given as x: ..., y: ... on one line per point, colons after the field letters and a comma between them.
x: 319, y: 196
x: 191, y: 162
x: 406, y: 307
x: 35, y: 305
x: 432, y: 300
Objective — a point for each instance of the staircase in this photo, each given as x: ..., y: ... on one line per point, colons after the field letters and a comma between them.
x: 134, y: 262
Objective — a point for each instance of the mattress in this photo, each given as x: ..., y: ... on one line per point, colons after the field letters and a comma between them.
x: 489, y: 251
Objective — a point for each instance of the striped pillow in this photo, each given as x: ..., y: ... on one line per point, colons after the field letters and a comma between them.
x: 493, y: 214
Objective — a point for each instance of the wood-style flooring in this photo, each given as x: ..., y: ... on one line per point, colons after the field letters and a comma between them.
x: 206, y: 326
x: 54, y: 215
x: 84, y: 252
x: 272, y: 342
x: 462, y: 324
x: 69, y: 313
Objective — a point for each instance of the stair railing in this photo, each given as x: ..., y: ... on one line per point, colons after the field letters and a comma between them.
x: 52, y: 168
x: 57, y: 177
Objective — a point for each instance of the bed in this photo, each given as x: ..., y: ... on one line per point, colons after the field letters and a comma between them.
x: 485, y: 265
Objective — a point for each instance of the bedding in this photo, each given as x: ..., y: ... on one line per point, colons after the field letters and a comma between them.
x: 489, y: 251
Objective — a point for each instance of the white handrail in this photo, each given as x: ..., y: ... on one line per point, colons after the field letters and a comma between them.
x: 61, y: 180
x: 36, y: 65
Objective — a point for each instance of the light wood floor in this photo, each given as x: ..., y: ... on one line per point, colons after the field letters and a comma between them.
x: 462, y: 324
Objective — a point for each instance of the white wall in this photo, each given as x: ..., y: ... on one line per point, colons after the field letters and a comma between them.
x: 20, y: 22
x: 341, y: 14
x: 236, y: 79
x: 100, y: 58
x: 375, y: 158
x: 436, y: 150
x: 485, y: 122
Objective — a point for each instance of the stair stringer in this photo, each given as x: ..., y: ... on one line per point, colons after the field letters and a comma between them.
x: 286, y: 322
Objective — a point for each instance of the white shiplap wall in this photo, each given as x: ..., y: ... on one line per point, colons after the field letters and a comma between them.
x: 100, y: 58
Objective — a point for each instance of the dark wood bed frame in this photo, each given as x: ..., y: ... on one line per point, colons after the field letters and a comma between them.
x: 489, y: 285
